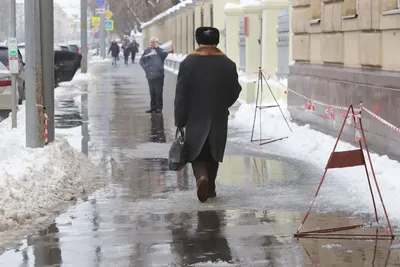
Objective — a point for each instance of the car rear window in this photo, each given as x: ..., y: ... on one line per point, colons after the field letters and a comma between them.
x: 4, y: 56
x: 74, y: 48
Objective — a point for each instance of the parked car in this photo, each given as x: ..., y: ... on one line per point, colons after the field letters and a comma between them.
x: 74, y: 48
x: 61, y: 47
x: 20, y: 75
x: 21, y: 48
x: 5, y: 88
x: 66, y: 63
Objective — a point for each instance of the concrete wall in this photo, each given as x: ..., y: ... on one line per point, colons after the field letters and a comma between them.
x: 345, y: 53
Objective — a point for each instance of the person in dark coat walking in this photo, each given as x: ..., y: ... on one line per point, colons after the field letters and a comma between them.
x: 126, y: 47
x: 134, y: 50
x: 114, y: 49
x: 207, y: 86
x: 152, y: 61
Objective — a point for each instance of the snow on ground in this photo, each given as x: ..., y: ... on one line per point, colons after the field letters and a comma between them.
x: 315, y: 147
x: 35, y: 183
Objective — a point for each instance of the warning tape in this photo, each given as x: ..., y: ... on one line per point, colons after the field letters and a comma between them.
x: 381, y: 120
x: 46, y: 128
x: 329, y: 107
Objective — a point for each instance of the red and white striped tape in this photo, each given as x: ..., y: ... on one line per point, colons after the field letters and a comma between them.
x: 381, y: 120
x: 46, y: 128
x: 310, y: 103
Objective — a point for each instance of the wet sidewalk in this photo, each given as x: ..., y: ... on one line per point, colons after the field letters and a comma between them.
x: 149, y: 216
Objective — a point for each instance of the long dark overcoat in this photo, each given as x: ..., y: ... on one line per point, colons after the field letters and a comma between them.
x: 207, y: 86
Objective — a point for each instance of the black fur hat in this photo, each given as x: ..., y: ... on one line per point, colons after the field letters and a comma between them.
x: 207, y: 36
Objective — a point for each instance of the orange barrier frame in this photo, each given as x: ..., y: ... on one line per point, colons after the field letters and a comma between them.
x: 345, y: 159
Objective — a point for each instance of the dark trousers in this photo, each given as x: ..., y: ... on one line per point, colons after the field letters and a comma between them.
x: 126, y: 56
x: 205, y: 165
x: 156, y: 87
x: 133, y: 57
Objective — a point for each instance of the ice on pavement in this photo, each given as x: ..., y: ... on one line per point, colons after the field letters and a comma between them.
x: 314, y: 147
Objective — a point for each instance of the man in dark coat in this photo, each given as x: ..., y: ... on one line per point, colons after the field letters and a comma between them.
x: 207, y: 86
x: 152, y: 61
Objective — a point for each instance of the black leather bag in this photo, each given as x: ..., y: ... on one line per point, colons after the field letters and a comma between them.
x: 177, y: 157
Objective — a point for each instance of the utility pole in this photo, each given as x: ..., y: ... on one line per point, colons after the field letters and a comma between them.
x: 102, y: 35
x: 84, y: 46
x: 14, y: 85
x: 33, y: 76
x: 47, y: 48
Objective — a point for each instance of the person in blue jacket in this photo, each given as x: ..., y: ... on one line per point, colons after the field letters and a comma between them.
x: 152, y: 61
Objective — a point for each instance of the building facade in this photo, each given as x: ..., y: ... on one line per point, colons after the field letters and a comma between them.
x: 20, y: 19
x: 63, y: 26
x: 345, y: 54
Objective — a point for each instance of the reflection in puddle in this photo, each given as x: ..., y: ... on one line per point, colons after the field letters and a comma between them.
x: 237, y: 170
x: 67, y: 114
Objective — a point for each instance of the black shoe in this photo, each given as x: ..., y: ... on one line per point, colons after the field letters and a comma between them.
x: 149, y: 111
x: 158, y: 111
x: 211, y: 194
x: 202, y: 189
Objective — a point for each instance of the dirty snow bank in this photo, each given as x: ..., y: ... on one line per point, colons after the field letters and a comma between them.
x: 315, y: 147
x: 34, y: 183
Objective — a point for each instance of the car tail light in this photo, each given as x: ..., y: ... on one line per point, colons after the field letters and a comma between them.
x: 8, y: 67
x: 5, y: 83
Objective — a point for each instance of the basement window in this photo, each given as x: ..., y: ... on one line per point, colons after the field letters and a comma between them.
x: 350, y: 9
x: 315, y: 11
x: 390, y: 7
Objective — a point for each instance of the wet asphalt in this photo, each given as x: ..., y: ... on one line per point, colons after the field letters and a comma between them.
x: 149, y: 216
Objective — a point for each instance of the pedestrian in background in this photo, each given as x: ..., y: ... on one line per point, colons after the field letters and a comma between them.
x: 126, y: 48
x: 134, y: 50
x: 152, y: 61
x: 114, y: 49
x: 207, y: 86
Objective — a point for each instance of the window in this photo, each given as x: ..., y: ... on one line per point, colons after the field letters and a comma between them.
x: 390, y: 5
x: 316, y: 9
x: 194, y: 28
x: 202, y: 16
x: 212, y: 15
x: 350, y: 8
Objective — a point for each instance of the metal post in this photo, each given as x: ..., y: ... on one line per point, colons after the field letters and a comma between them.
x: 14, y: 85
x: 33, y: 76
x: 102, y: 35
x: 47, y: 48
x: 84, y: 47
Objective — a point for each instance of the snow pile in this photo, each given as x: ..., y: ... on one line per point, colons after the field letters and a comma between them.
x: 166, y: 13
x: 171, y: 61
x: 34, y: 183
x: 315, y: 147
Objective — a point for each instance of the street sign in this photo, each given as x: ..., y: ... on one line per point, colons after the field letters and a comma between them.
x: 109, y: 25
x: 96, y: 29
x: 100, y: 3
x: 13, y: 55
x: 109, y: 14
x: 96, y: 35
x: 99, y: 11
x: 95, y: 21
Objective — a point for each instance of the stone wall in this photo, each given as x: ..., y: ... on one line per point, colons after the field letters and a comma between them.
x: 345, y: 53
